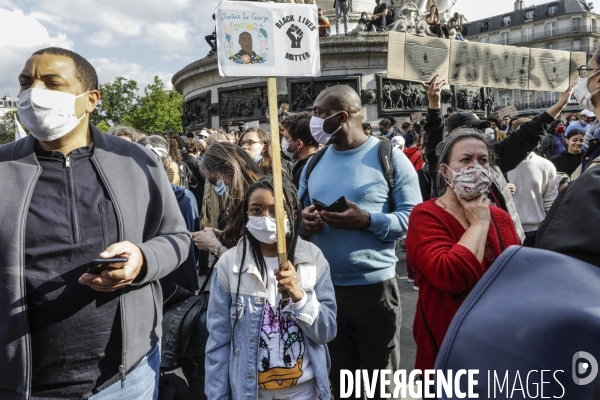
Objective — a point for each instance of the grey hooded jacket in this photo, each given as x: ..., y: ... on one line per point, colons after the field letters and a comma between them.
x: 147, y: 216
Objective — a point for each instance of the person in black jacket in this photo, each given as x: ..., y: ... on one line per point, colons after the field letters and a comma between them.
x: 570, y: 159
x: 298, y: 143
x: 510, y: 152
x: 190, y: 159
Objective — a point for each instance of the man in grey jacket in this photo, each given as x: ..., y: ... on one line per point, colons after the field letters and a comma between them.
x: 70, y: 195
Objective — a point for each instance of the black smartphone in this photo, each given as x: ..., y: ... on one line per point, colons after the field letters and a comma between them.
x: 102, y: 264
x: 337, y: 206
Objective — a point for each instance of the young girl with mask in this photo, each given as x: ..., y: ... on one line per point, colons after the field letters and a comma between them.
x: 453, y: 240
x: 262, y: 345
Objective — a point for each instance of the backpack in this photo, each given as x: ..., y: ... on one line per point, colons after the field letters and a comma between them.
x: 184, y: 326
x: 385, y: 159
x: 173, y: 387
x: 391, y: 13
x: 532, y: 309
x: 186, y: 176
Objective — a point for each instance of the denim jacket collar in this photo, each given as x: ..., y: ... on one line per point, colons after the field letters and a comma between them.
x: 300, y: 256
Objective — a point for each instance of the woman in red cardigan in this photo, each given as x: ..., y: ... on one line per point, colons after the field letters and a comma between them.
x: 453, y: 240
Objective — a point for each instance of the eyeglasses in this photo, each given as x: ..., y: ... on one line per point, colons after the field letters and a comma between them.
x: 584, y: 70
x: 258, y: 212
x: 248, y: 142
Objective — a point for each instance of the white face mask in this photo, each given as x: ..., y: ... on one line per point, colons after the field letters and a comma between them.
x: 316, y: 129
x: 285, y: 146
x: 48, y: 114
x: 264, y: 229
x: 583, y: 95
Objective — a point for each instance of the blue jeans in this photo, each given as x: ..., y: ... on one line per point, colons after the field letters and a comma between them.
x: 141, y: 383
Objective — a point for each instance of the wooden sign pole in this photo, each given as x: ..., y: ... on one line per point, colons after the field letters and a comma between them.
x: 275, y: 150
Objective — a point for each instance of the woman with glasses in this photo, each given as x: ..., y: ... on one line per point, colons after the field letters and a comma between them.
x: 255, y: 142
x: 453, y: 240
x: 262, y: 344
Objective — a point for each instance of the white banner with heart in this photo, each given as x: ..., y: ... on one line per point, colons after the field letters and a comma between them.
x: 267, y: 39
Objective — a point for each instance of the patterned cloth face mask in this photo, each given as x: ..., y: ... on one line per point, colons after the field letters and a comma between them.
x: 470, y: 182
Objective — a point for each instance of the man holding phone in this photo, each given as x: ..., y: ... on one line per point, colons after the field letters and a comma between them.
x: 71, y: 194
x: 357, y: 232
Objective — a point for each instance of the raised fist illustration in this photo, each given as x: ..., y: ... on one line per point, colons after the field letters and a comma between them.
x: 295, y: 34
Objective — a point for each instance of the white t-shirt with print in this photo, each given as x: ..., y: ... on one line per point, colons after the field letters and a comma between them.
x: 283, y: 361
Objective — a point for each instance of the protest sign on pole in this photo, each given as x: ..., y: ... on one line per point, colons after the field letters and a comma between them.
x: 269, y: 40
x: 19, y: 131
x: 511, y: 111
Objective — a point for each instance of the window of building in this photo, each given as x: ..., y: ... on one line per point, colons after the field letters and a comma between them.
x: 551, y: 29
x: 504, y: 38
x: 528, y: 33
x: 506, y: 21
x: 484, y: 39
x: 551, y: 46
x: 552, y: 10
x: 593, y: 25
x: 485, y: 26
x: 577, y: 45
x: 529, y: 15
x: 575, y: 22
x: 527, y: 99
x: 551, y: 97
x: 505, y: 99
x: 1, y: 103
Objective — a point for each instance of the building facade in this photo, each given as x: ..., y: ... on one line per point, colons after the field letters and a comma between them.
x: 7, y: 104
x: 568, y: 25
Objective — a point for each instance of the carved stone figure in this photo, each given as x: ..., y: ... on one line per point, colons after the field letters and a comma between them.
x: 214, y: 109
x: 462, y: 99
x: 446, y: 96
x: 368, y: 96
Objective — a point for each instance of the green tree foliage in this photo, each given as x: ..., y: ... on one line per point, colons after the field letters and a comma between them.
x: 117, y: 100
x: 158, y: 110
x: 7, y: 127
x: 103, y: 126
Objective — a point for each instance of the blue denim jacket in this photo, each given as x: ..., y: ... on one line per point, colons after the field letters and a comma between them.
x: 232, y: 369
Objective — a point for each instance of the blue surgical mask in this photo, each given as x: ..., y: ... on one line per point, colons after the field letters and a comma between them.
x: 258, y: 158
x: 221, y: 188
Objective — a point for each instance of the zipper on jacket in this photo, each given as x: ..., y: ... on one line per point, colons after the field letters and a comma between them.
x: 122, y: 374
x: 73, y: 199
x: 28, y: 356
x: 120, y: 238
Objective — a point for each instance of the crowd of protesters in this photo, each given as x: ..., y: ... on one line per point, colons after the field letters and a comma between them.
x: 456, y: 191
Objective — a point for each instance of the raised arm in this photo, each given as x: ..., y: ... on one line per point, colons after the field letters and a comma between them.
x: 434, y: 127
x: 512, y: 150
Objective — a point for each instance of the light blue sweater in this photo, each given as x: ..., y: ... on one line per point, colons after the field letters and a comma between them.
x: 359, y: 257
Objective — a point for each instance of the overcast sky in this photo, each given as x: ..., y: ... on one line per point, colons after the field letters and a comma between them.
x: 137, y: 39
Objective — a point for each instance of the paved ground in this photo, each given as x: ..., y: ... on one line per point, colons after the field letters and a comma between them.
x: 408, y: 298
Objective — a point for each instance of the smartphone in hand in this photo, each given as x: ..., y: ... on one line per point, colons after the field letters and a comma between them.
x: 337, y: 206
x: 102, y: 264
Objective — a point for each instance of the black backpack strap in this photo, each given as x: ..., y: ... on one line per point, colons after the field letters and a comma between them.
x: 387, y: 165
x: 311, y: 165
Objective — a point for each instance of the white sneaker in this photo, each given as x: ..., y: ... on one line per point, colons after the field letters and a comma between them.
x: 411, y: 280
x: 415, y: 287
